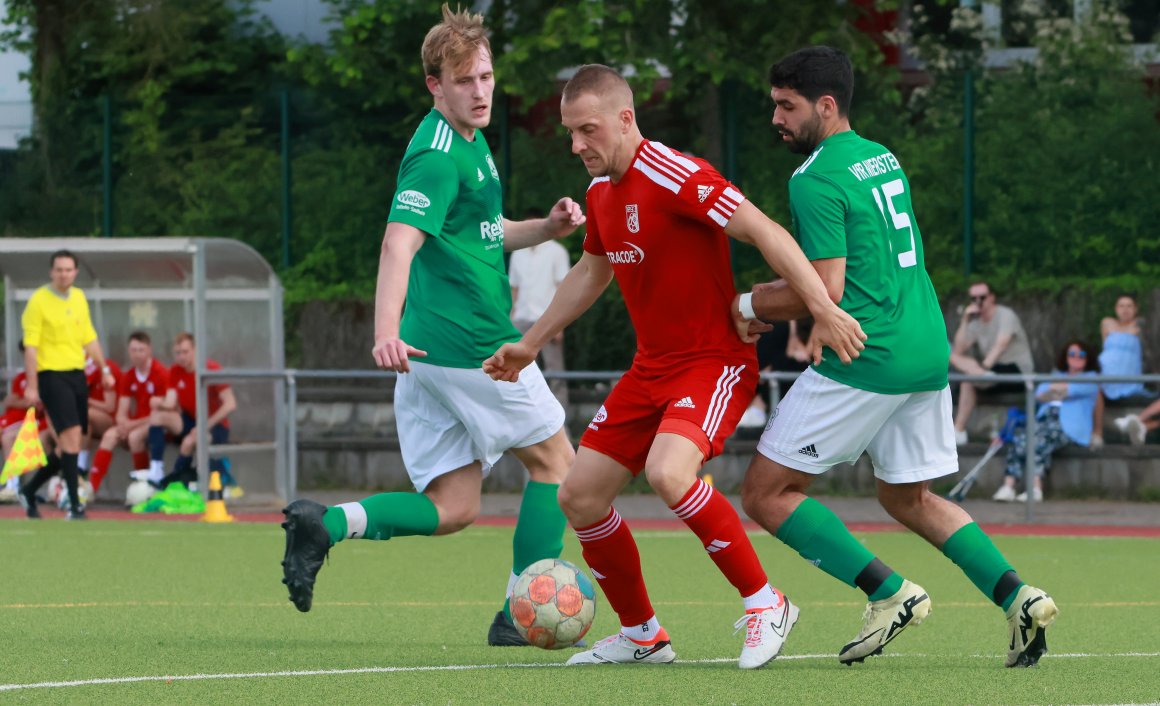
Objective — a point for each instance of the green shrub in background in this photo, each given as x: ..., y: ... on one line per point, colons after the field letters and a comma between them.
x: 1066, y: 145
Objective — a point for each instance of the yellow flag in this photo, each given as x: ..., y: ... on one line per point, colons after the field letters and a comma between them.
x: 27, y: 453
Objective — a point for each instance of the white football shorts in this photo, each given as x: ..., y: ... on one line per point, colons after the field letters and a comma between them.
x: 821, y: 423
x: 449, y: 417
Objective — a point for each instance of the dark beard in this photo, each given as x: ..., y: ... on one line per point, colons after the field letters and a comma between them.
x: 806, y: 141
x: 801, y: 145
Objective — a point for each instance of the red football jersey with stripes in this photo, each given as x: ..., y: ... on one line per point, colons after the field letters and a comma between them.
x: 662, y: 227
x: 155, y: 383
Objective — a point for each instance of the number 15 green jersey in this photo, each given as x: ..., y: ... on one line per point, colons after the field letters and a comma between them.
x: 851, y: 199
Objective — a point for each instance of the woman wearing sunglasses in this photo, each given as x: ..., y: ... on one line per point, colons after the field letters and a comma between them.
x: 1066, y: 409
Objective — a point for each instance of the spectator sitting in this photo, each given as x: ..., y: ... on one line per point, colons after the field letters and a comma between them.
x: 1137, y: 426
x: 535, y: 273
x: 1065, y: 417
x: 1122, y: 353
x: 997, y: 333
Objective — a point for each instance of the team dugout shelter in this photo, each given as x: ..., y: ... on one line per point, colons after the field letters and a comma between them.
x: 220, y: 290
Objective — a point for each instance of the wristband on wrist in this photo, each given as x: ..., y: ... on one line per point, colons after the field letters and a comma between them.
x: 106, y: 370
x: 745, y: 304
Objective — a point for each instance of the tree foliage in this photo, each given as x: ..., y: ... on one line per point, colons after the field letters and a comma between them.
x: 1066, y: 155
x: 1066, y: 146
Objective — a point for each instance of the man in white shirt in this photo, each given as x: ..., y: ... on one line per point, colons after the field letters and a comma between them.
x: 535, y: 273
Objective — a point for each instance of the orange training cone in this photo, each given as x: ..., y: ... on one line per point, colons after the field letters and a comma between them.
x: 215, y: 507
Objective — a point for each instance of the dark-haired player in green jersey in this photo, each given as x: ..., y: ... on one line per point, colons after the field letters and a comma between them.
x: 852, y: 214
x: 443, y: 253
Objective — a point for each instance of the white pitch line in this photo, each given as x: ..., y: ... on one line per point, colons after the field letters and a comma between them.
x: 459, y: 668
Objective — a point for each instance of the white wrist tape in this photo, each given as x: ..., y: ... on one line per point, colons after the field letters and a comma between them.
x: 745, y: 304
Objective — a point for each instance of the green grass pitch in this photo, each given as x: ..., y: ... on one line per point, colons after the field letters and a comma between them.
x: 404, y: 622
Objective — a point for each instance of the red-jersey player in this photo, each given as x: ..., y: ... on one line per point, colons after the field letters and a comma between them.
x: 102, y: 405
x: 177, y: 414
x: 658, y: 221
x: 142, y: 387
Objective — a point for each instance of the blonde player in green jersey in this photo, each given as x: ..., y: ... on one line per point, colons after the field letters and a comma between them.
x: 443, y: 253
x: 852, y: 214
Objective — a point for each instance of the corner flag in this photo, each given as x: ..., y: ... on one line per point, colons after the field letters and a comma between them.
x: 27, y: 453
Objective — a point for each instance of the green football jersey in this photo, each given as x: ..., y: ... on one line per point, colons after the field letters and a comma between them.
x: 458, y: 296
x: 851, y: 199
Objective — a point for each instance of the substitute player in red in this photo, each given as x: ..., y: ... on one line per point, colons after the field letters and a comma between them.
x: 102, y: 406
x: 177, y: 416
x: 142, y: 386
x: 658, y: 221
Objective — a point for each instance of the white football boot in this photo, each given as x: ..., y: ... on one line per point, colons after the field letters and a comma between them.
x: 765, y: 632
x: 885, y: 620
x: 619, y: 649
x: 1027, y: 618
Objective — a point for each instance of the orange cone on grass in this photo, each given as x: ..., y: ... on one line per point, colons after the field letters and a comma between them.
x: 215, y: 506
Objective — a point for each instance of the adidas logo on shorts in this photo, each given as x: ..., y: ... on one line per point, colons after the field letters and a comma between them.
x: 686, y: 402
x: 809, y: 451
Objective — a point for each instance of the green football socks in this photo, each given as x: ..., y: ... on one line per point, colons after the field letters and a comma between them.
x: 818, y: 535
x: 539, y: 529
x: 974, y: 552
x: 382, y: 516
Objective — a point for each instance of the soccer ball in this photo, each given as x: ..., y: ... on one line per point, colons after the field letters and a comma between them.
x: 138, y: 492
x: 553, y: 604
x: 56, y: 492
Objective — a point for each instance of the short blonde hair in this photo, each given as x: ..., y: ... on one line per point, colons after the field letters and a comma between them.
x: 455, y: 41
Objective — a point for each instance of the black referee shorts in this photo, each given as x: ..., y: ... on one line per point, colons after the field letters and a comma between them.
x: 65, y: 394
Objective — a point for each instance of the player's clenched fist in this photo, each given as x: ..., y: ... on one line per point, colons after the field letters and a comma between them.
x: 395, y: 354
x: 507, y: 362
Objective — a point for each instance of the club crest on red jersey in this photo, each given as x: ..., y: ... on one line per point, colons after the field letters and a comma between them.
x: 632, y: 216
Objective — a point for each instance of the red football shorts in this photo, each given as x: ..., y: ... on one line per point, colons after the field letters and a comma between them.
x: 702, y: 402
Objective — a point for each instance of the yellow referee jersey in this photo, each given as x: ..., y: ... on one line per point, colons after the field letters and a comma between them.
x: 58, y: 327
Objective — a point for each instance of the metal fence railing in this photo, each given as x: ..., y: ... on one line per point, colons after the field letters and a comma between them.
x: 291, y: 378
x: 285, y: 443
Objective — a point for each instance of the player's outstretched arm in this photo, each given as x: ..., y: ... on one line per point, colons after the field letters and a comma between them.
x: 400, y: 243
x: 565, y: 217
x: 835, y: 328
x: 580, y: 288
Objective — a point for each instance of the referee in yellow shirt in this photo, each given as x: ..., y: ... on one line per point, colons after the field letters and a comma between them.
x: 57, y: 334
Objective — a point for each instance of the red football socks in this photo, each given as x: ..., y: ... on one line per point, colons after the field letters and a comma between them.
x: 612, y: 555
x: 711, y: 517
